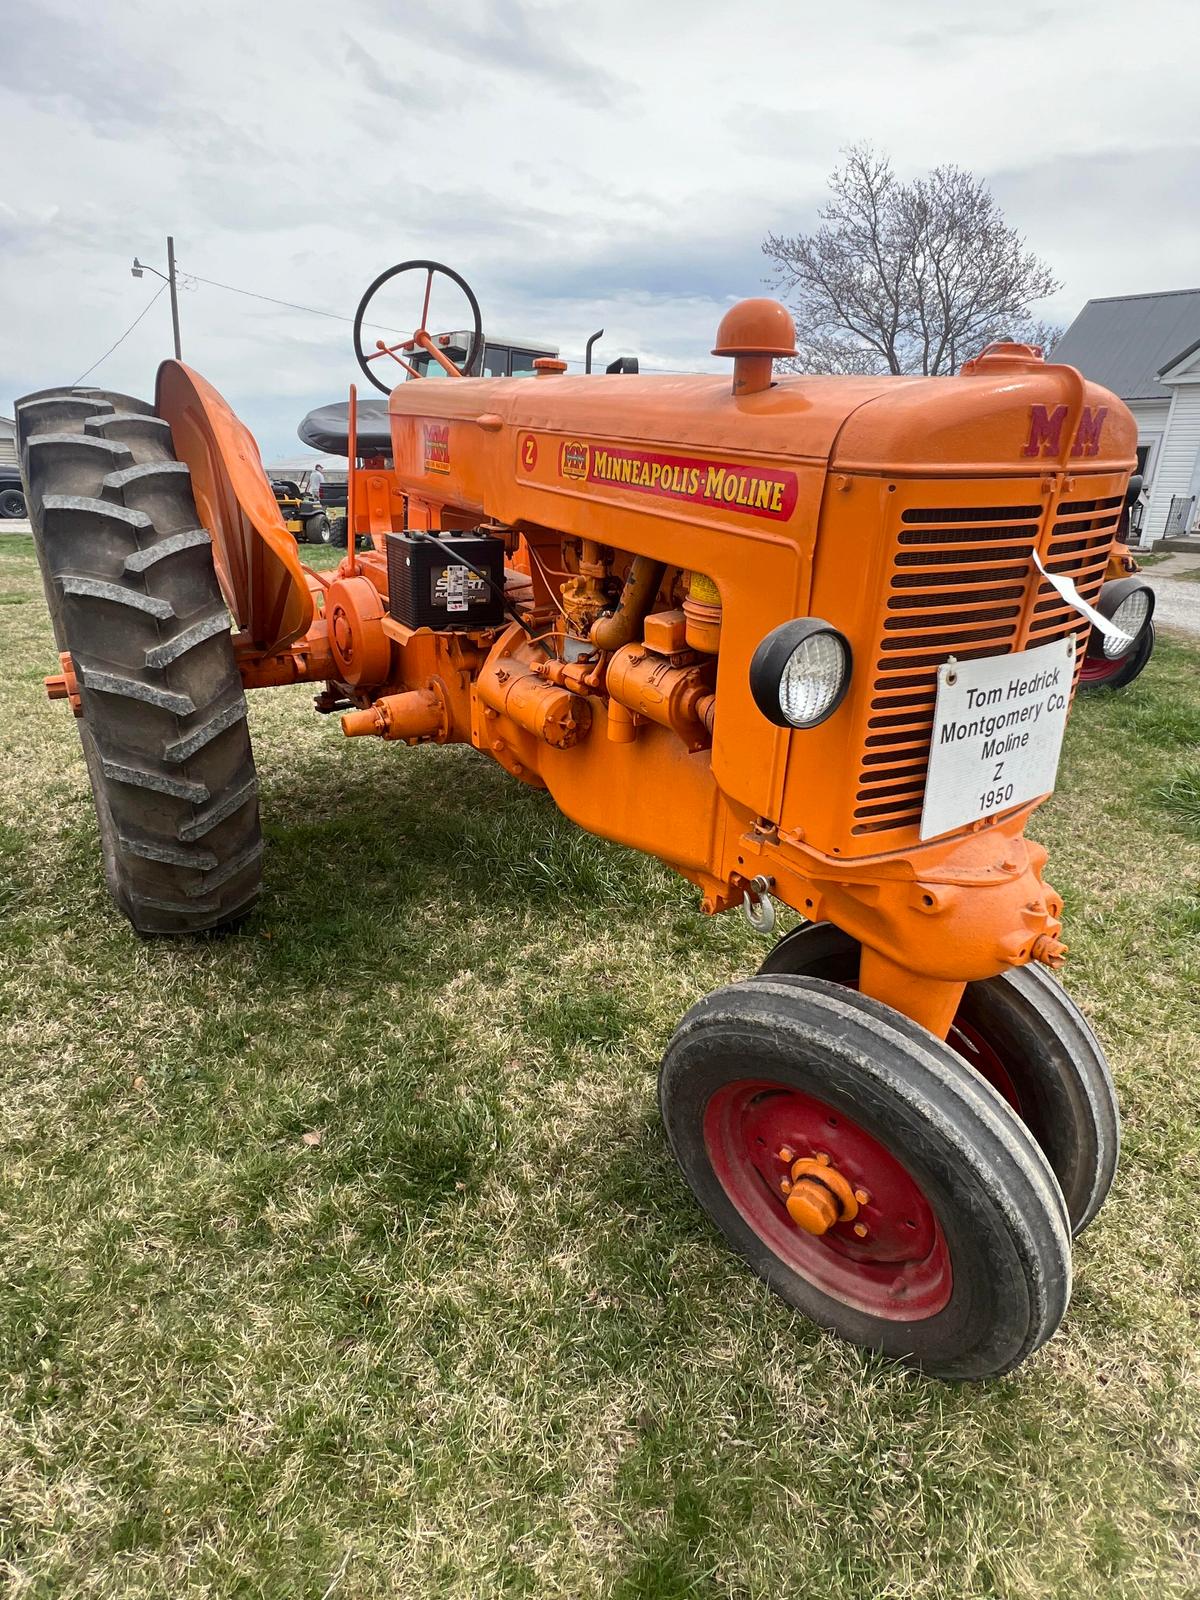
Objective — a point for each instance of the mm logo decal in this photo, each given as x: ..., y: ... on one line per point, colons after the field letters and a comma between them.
x: 757, y: 491
x: 437, y: 447
x: 1046, y: 428
x: 574, y: 459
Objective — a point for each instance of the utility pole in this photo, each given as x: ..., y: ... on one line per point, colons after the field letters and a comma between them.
x: 168, y: 278
x: 174, y: 296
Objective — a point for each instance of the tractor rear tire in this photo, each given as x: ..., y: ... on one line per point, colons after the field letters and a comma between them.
x: 135, y: 603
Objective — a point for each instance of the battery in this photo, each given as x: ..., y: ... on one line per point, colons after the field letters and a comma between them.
x: 429, y: 588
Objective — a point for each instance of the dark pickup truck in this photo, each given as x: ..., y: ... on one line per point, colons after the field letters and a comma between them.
x: 12, y: 495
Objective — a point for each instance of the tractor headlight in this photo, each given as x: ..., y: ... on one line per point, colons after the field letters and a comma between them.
x: 1128, y: 604
x: 800, y: 673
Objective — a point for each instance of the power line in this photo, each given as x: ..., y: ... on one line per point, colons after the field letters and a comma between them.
x: 291, y: 305
x: 337, y: 316
x: 123, y: 337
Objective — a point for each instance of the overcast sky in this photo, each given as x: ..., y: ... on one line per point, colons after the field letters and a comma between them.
x: 582, y: 164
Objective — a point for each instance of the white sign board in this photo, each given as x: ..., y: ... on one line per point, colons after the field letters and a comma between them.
x: 997, y: 732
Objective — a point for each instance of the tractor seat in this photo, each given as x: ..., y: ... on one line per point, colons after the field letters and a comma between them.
x: 328, y: 428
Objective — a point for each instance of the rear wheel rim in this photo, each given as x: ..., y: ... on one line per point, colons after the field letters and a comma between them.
x: 900, y: 1271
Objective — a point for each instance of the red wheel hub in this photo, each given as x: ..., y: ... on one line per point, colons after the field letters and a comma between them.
x: 898, y: 1269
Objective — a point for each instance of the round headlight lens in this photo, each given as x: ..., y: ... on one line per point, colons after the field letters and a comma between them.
x: 812, y: 679
x: 1130, y: 616
x: 800, y: 673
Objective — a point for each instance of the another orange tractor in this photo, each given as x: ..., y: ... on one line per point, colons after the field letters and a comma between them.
x: 807, y: 640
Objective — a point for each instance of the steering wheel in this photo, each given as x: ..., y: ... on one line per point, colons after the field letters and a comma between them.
x: 420, y: 338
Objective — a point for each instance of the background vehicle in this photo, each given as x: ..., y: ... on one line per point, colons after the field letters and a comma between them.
x: 306, y: 519
x: 12, y: 493
x: 494, y: 358
x: 806, y: 640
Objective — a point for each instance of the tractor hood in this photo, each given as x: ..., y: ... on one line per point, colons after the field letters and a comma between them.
x: 763, y: 454
x: 796, y: 418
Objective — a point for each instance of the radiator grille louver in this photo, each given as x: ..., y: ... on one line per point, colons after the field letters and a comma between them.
x: 959, y: 586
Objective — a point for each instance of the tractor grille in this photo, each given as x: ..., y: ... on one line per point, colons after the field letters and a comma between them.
x: 960, y: 586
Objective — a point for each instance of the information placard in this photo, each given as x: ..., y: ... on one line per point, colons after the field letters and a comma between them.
x: 997, y: 734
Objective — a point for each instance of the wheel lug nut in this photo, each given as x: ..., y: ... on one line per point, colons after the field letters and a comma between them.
x: 822, y: 1158
x: 786, y: 1153
x: 863, y: 1198
x: 860, y: 1229
x: 785, y: 1185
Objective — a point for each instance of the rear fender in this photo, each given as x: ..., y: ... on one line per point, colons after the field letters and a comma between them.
x: 255, y: 556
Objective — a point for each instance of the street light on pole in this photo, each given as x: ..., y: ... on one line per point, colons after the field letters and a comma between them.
x: 168, y: 277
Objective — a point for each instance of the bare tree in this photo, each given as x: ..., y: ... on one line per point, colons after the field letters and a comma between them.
x: 907, y: 277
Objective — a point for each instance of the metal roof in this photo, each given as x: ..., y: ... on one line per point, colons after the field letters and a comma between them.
x: 1126, y: 341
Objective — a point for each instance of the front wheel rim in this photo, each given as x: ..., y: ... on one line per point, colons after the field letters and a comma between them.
x: 977, y: 1051
x: 1099, y: 669
x: 900, y: 1270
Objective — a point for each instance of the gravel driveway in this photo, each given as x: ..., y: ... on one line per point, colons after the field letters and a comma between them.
x: 1176, y: 598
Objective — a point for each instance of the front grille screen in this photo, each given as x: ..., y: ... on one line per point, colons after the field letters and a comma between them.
x: 960, y: 585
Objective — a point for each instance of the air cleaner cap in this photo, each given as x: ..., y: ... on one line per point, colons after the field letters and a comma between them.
x: 758, y: 327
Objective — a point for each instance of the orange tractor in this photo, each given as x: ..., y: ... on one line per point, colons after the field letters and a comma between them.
x: 807, y: 640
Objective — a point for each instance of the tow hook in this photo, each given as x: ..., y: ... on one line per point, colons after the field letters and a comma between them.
x: 757, y: 906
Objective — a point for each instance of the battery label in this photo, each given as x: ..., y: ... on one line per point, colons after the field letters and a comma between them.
x: 457, y: 588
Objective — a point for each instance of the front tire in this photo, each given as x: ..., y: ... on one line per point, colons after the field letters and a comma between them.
x: 12, y: 503
x: 136, y: 606
x: 317, y: 530
x: 962, y: 1267
x: 1023, y: 1033
x: 1098, y: 672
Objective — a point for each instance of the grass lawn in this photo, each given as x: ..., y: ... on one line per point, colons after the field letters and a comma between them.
x: 346, y: 1256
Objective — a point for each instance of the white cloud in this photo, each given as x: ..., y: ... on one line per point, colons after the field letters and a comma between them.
x: 580, y: 165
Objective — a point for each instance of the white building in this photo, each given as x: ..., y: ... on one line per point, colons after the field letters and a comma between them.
x: 8, y: 441
x: 1146, y: 348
